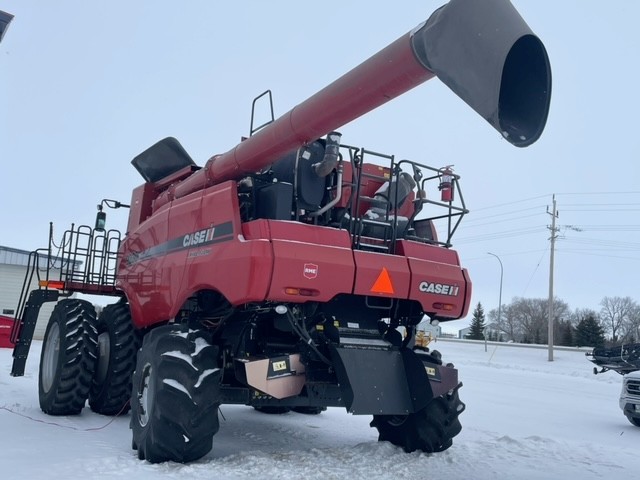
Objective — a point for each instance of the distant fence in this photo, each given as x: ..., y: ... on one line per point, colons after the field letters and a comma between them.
x: 519, y: 345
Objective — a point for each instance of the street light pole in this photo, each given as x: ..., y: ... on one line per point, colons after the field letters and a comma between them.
x: 499, y: 299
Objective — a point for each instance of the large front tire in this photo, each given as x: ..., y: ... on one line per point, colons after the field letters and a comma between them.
x: 430, y: 430
x: 68, y: 358
x: 175, y: 395
x: 118, y: 344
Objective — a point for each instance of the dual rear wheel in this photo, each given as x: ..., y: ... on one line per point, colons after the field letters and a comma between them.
x: 87, y: 358
x: 68, y: 358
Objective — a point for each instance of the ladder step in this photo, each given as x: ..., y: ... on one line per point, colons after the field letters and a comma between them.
x: 374, y: 246
x: 377, y: 223
x: 27, y: 326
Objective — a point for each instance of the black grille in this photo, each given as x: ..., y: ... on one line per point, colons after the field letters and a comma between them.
x: 633, y: 387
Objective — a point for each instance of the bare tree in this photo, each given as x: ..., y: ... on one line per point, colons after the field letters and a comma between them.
x: 531, y: 313
x: 508, y: 323
x: 526, y: 319
x: 630, y: 331
x: 617, y: 315
x: 580, y: 314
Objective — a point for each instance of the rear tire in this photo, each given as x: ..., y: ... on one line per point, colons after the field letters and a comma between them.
x: 175, y: 395
x: 118, y: 344
x: 309, y: 410
x: 68, y: 358
x: 430, y: 430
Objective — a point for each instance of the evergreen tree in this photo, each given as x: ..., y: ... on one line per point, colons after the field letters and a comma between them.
x: 589, y: 333
x: 477, y: 324
x: 566, y: 334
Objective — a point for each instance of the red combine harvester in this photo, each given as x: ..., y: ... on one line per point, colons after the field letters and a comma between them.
x: 290, y: 272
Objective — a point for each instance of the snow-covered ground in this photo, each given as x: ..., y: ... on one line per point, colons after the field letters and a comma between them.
x: 526, y: 418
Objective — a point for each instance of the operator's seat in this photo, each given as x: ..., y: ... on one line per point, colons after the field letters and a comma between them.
x: 389, y: 198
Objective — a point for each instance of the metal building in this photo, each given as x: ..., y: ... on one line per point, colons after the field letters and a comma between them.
x: 13, y: 269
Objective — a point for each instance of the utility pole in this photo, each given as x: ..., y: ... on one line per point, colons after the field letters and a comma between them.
x: 554, y: 215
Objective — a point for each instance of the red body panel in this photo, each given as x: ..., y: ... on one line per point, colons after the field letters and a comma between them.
x: 190, y: 244
x: 394, y: 283
x: 6, y: 324
x: 437, y: 266
x: 323, y: 269
x: 198, y: 243
x: 312, y: 258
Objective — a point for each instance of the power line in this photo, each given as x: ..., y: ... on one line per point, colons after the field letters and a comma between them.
x: 609, y: 228
x: 499, y: 205
x: 600, y: 193
x: 590, y: 254
x: 535, y: 270
x: 500, y: 221
x: 601, y: 204
x: 503, y: 234
x: 604, y: 242
x: 601, y: 210
x: 515, y: 202
x: 511, y: 212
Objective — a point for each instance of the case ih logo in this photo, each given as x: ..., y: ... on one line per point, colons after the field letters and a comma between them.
x: 438, y: 288
x: 196, y: 238
x: 310, y: 270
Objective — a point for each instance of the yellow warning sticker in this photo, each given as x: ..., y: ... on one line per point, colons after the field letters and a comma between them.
x: 280, y: 365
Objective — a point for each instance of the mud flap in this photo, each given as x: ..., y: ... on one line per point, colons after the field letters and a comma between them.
x: 381, y: 381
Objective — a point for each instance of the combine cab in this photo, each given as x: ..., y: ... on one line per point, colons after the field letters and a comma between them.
x: 281, y: 274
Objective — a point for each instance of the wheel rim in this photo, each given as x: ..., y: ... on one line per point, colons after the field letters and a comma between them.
x: 104, y: 346
x: 50, y: 357
x: 145, y: 400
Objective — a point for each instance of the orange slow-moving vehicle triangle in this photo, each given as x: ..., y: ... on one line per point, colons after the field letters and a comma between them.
x: 383, y: 283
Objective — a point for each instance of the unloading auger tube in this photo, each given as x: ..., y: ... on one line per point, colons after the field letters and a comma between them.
x: 483, y: 51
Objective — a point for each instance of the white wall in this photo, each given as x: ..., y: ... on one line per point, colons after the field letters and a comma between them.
x: 11, y: 280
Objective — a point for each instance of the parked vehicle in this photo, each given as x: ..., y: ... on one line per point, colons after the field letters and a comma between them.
x: 625, y: 360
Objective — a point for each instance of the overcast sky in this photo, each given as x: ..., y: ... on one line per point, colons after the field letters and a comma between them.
x: 86, y: 86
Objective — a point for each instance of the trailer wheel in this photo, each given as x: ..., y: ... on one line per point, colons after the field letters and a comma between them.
x: 68, y: 358
x: 430, y: 430
x: 175, y: 395
x: 118, y: 344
